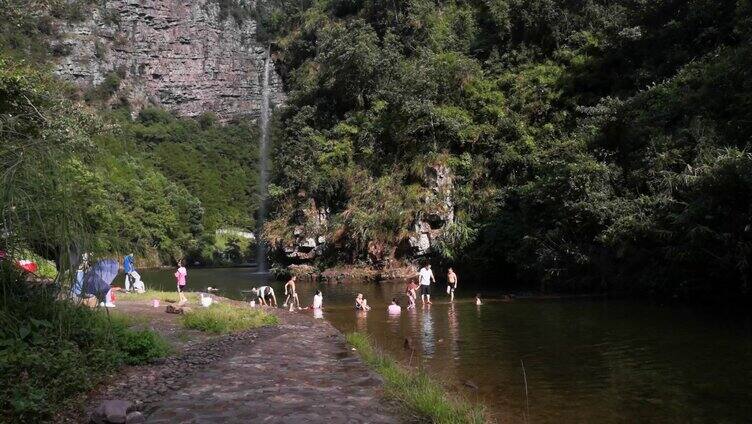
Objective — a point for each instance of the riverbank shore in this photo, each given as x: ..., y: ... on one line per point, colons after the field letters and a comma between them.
x: 300, y: 370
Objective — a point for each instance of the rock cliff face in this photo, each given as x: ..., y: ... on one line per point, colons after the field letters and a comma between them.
x: 312, y: 235
x: 427, y: 228
x: 309, y: 232
x: 178, y: 54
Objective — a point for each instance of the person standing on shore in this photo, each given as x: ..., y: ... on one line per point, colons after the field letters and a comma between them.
x: 128, y: 267
x: 451, y: 284
x: 180, y: 276
x: 425, y: 277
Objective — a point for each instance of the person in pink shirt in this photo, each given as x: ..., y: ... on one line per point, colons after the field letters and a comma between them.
x: 180, y: 275
x: 394, y: 308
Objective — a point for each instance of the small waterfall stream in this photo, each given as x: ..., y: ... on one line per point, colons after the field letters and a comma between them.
x: 261, y: 250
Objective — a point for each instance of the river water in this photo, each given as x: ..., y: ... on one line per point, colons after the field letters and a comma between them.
x: 585, y: 360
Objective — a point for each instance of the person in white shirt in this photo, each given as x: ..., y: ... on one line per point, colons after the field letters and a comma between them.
x: 425, y: 277
x: 318, y: 300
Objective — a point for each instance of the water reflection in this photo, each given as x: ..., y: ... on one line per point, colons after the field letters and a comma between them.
x: 427, y: 333
x: 587, y: 361
x: 454, y: 331
x: 395, y: 323
x: 361, y: 321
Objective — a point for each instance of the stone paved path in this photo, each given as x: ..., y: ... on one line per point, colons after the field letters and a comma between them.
x: 300, y: 372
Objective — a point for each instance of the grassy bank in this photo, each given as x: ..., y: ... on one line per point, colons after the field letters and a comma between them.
x: 415, y: 390
x: 53, y: 351
x: 223, y: 318
x: 220, y: 318
x: 162, y: 296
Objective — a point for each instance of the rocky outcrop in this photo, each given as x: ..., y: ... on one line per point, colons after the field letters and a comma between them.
x: 309, y: 232
x: 439, y: 210
x: 312, y: 235
x: 178, y: 54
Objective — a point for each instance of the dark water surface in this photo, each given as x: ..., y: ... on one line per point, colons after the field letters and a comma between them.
x: 586, y: 360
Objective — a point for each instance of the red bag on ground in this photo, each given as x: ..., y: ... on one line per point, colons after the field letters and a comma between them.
x: 27, y: 266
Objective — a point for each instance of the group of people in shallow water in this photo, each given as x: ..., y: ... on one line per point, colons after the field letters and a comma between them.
x: 265, y: 296
x: 425, y: 279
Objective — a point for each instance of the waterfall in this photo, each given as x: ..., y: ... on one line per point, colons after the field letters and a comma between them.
x: 263, y: 165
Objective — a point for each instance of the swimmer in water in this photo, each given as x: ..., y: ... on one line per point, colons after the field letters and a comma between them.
x: 361, y: 304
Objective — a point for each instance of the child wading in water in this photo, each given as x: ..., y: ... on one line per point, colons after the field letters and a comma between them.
x: 451, y: 284
x: 361, y: 304
x: 318, y: 303
x: 318, y: 300
x: 410, y: 292
x: 292, y: 295
x: 180, y: 275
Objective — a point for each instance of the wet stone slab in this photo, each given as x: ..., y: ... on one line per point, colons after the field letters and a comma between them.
x: 301, y: 372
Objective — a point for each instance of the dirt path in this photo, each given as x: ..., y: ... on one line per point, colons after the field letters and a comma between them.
x: 298, y: 372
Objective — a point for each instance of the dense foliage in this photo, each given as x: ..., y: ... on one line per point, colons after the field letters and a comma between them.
x: 152, y: 183
x: 181, y: 180
x: 594, y: 143
x: 73, y: 180
x: 52, y: 351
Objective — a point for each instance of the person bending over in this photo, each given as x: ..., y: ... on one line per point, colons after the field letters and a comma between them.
x: 265, y: 295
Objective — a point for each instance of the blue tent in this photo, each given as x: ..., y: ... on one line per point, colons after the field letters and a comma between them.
x: 98, y: 278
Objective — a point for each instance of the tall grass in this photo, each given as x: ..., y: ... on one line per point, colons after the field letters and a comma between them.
x: 416, y: 391
x: 221, y: 318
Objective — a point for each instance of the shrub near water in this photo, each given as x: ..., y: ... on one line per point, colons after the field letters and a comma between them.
x: 221, y: 318
x: 52, y: 351
x: 415, y: 390
x: 139, y: 346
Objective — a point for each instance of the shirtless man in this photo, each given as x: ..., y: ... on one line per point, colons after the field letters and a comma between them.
x: 292, y: 294
x: 265, y: 295
x: 451, y: 284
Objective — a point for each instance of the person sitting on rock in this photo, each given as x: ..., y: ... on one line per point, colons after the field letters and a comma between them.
x: 361, y: 304
x: 265, y: 295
